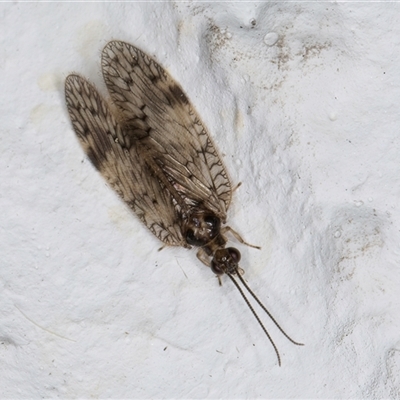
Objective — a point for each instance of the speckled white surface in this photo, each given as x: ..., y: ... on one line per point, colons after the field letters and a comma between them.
x: 302, y: 101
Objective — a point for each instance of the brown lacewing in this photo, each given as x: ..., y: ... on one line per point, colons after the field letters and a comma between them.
x: 153, y: 150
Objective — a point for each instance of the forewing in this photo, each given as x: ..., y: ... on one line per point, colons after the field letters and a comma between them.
x: 149, y: 99
x: 114, y: 152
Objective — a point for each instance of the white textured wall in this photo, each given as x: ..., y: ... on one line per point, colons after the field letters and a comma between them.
x: 302, y: 100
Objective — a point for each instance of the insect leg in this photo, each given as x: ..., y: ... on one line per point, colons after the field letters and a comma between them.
x: 237, y: 236
x: 203, y: 257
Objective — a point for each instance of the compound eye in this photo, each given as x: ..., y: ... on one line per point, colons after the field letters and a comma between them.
x: 217, y: 269
x: 234, y: 253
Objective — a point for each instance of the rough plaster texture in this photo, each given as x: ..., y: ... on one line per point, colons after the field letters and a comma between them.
x: 302, y: 100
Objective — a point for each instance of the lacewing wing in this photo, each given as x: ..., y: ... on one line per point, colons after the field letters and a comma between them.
x: 153, y: 150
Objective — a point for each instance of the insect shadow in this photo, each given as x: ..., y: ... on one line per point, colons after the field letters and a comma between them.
x: 153, y: 150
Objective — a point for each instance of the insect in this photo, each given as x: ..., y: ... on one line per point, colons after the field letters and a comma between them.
x: 153, y: 150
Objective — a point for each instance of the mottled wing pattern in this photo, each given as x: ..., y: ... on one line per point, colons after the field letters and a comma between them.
x: 151, y: 101
x: 115, y: 153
